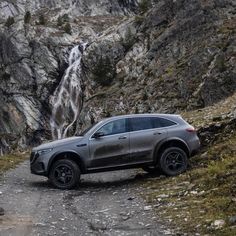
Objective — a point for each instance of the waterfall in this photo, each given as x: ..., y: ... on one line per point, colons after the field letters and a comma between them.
x: 67, y: 99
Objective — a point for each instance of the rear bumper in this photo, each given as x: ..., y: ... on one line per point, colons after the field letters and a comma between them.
x: 195, y: 147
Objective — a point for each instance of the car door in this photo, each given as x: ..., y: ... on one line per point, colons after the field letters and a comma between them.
x: 112, y: 147
x: 145, y: 133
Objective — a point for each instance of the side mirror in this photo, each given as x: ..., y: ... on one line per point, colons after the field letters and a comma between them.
x: 98, y: 135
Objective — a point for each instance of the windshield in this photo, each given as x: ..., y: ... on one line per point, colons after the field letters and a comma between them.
x: 83, y: 132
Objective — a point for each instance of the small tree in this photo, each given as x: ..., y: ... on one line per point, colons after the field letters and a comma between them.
x: 144, y: 5
x: 103, y: 71
x: 42, y: 20
x: 59, y: 21
x: 67, y: 28
x: 129, y: 39
x: 27, y: 17
x: 10, y: 21
x: 65, y: 18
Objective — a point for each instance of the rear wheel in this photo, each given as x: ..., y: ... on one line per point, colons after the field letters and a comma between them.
x: 64, y: 174
x: 173, y: 161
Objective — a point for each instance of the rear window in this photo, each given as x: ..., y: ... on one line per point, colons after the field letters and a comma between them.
x: 144, y: 123
x: 161, y: 122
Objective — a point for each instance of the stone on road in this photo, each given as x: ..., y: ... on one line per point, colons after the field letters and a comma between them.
x: 103, y: 204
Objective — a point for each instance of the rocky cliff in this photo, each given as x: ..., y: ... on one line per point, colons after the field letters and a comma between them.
x: 141, y: 56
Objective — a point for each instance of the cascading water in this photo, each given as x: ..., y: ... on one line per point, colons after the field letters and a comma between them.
x: 67, y: 99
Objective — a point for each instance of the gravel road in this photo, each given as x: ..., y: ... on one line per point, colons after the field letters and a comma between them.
x: 103, y: 204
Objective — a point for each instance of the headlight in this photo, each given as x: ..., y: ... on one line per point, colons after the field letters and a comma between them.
x: 44, y: 151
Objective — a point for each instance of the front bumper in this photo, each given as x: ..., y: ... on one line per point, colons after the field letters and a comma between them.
x: 38, y: 169
x: 37, y: 165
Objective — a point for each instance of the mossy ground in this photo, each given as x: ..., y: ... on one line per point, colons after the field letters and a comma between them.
x: 193, y: 201
x: 219, y: 113
x: 10, y: 161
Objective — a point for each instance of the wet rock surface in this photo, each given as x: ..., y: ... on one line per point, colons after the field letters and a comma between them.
x: 104, y: 204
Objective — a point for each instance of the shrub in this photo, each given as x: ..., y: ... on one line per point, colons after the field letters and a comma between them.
x: 27, y: 17
x: 144, y: 5
x: 220, y: 63
x: 67, y: 28
x: 138, y: 19
x: 59, y: 21
x: 10, y: 21
x: 42, y: 20
x: 104, y: 71
x: 129, y: 40
x: 65, y: 18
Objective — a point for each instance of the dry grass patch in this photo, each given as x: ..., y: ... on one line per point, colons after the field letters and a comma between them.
x: 11, y: 160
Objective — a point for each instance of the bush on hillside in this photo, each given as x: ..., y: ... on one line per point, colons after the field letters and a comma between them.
x: 27, y: 17
x: 10, y: 21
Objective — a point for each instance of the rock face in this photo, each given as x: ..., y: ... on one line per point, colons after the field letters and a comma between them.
x: 161, y: 56
x: 72, y: 7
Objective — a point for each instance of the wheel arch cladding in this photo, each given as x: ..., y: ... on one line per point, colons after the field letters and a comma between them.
x: 171, y: 143
x: 67, y: 155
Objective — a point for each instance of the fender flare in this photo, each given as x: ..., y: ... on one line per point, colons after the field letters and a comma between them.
x: 78, y: 159
x: 167, y: 141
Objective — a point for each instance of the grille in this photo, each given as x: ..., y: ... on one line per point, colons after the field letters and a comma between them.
x: 32, y: 157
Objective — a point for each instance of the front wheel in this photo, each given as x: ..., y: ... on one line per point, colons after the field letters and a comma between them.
x: 64, y: 174
x: 173, y: 161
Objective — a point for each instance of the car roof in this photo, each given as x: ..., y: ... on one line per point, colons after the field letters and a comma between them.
x: 162, y: 115
x: 173, y: 117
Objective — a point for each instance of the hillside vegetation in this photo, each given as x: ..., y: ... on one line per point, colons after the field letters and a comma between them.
x: 202, y: 201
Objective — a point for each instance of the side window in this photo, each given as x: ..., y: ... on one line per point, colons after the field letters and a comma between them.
x: 161, y: 122
x: 114, y: 127
x: 140, y: 123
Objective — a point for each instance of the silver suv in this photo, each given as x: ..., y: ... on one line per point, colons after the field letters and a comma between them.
x: 150, y: 141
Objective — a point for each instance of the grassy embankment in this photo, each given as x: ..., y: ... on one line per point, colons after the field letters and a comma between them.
x: 193, y: 202
x: 11, y: 160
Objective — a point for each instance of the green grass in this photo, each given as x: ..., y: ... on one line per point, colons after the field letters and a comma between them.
x: 10, y: 161
x: 207, y: 192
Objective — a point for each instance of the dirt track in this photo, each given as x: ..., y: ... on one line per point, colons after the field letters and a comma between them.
x: 104, y: 204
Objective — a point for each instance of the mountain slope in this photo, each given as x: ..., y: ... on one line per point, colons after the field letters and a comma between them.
x: 171, y: 56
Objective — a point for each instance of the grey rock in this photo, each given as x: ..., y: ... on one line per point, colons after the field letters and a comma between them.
x: 232, y: 220
x: 218, y: 224
x: 78, y: 7
x: 131, y: 198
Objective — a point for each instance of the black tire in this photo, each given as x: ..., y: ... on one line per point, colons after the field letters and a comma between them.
x: 173, y: 161
x: 64, y: 174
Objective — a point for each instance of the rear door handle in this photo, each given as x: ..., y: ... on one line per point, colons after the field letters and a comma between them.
x: 157, y: 133
x: 123, y: 137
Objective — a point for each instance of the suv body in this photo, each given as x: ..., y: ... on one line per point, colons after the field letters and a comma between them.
x: 150, y: 141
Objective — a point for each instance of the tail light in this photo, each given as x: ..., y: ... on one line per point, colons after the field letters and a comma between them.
x: 191, y: 129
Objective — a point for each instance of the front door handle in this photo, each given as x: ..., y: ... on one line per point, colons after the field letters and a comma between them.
x: 123, y: 137
x: 157, y: 133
